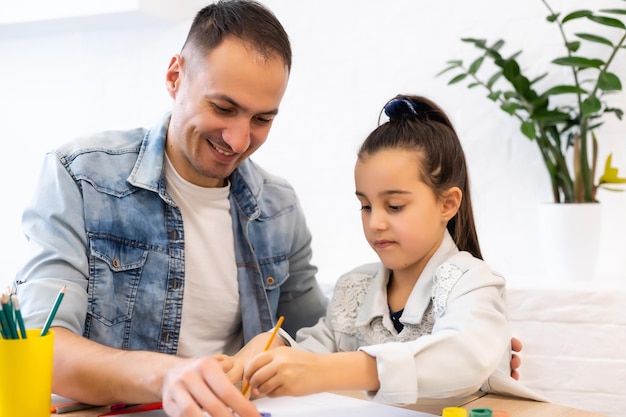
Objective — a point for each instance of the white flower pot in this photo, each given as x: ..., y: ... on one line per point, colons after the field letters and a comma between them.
x: 569, y: 239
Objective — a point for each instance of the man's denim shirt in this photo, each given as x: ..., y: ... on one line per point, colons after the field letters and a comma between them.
x: 102, y: 224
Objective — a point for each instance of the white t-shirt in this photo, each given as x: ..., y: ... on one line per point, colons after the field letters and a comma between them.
x: 211, y: 316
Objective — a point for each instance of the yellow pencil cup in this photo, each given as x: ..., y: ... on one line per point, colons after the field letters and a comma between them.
x: 26, y: 382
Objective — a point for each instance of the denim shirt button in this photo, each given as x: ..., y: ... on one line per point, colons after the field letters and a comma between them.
x: 115, y: 263
x: 269, y: 280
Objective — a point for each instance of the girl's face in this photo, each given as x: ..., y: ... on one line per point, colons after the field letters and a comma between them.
x: 403, y: 220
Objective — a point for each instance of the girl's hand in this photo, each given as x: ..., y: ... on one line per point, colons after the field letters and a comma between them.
x: 286, y: 371
x: 247, y: 353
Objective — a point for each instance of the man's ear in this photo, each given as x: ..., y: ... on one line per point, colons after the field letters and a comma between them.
x: 173, y: 75
x: 451, y: 201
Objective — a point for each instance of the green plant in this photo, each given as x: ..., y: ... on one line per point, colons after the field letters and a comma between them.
x: 559, y: 127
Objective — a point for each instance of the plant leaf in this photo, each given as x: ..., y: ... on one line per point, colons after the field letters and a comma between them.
x: 564, y: 89
x: 573, y: 46
x: 577, y: 15
x: 451, y: 67
x: 591, y: 105
x: 511, y: 71
x: 510, y: 107
x: 475, y: 66
x: 455, y: 62
x: 552, y: 17
x: 541, y: 103
x: 497, y: 45
x: 541, y: 77
x: 614, y: 11
x: 607, y: 21
x: 618, y: 112
x: 528, y: 129
x: 492, y: 80
x: 479, y: 43
x: 515, y: 55
x: 608, y: 81
x: 595, y: 38
x: 457, y: 79
x: 579, y: 61
x: 494, y: 96
x: 549, y: 116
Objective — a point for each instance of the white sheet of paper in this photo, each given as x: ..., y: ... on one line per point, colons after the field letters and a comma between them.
x: 330, y: 405
x: 320, y: 405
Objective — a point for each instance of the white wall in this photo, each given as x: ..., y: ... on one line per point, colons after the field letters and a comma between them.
x: 350, y: 56
x: 63, y: 79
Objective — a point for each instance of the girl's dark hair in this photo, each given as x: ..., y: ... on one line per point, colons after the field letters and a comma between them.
x: 247, y: 20
x: 418, y: 124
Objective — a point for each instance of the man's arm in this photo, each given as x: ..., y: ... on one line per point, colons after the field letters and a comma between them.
x: 97, y: 374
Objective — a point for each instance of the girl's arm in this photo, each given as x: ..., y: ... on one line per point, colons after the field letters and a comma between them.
x: 296, y: 372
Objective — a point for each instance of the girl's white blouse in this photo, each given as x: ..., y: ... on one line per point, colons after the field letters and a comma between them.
x: 455, y: 338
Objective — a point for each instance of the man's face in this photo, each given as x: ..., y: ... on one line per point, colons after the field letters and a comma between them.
x: 224, y: 105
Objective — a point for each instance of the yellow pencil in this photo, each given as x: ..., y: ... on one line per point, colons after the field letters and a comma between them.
x: 246, y: 384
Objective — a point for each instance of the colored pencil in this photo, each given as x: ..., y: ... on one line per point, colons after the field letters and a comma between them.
x: 69, y: 407
x: 18, y: 315
x: 134, y: 409
x: 246, y: 385
x: 53, y: 312
x: 4, y: 326
x: 10, y: 328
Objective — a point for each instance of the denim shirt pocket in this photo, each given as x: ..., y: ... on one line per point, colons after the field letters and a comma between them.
x: 115, y: 274
x: 275, y: 271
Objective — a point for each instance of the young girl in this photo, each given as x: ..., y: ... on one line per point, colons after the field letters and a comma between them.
x: 429, y: 320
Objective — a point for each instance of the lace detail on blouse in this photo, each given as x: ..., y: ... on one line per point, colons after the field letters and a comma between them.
x: 444, y: 280
x: 348, y: 298
x: 349, y: 295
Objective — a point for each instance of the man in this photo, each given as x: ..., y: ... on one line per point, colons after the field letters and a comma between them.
x: 172, y: 244
x: 170, y: 240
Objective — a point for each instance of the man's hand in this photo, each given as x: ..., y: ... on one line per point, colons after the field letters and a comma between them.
x: 516, y: 361
x: 200, y: 386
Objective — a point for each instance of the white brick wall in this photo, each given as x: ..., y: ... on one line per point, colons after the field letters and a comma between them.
x: 574, y: 340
